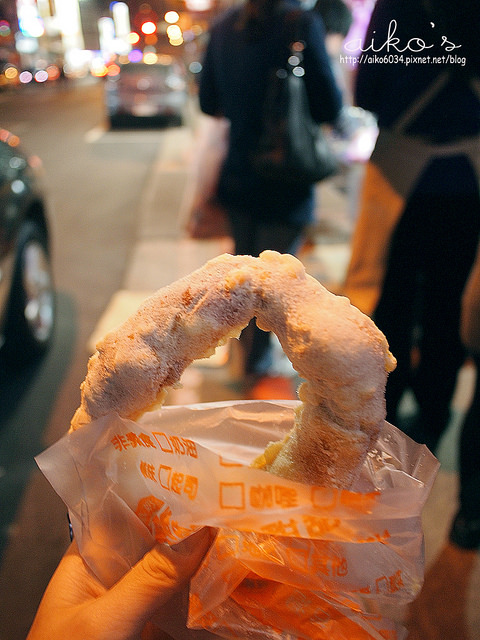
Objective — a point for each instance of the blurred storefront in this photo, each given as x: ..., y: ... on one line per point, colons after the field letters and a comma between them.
x: 73, y: 33
x: 48, y: 39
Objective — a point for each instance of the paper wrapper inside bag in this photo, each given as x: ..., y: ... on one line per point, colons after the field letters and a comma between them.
x: 290, y: 560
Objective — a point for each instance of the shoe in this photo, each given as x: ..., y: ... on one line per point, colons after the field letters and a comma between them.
x: 272, y: 388
x: 465, y: 533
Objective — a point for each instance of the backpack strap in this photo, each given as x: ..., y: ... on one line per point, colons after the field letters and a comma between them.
x: 420, y: 103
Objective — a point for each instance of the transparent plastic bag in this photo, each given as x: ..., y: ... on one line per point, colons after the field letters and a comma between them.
x: 290, y: 561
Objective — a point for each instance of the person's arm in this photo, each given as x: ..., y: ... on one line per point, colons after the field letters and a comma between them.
x: 208, y: 92
x: 324, y: 95
x: 76, y: 606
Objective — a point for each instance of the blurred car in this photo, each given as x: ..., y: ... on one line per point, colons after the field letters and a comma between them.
x: 27, y: 298
x: 137, y: 91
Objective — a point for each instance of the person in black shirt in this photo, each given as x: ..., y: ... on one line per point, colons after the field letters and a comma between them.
x: 246, y: 44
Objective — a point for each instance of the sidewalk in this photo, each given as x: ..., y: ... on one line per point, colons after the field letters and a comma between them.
x: 162, y: 254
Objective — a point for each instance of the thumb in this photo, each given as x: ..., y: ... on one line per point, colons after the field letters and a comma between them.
x: 152, y: 581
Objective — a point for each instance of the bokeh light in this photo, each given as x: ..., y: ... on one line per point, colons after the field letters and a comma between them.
x: 53, y: 72
x: 113, y: 70
x: 133, y: 37
x: 135, y: 55
x: 11, y: 73
x: 41, y: 76
x: 148, y: 28
x: 150, y: 58
x: 171, y: 17
x: 5, y: 29
x: 174, y: 32
x: 25, y: 77
x: 195, y: 67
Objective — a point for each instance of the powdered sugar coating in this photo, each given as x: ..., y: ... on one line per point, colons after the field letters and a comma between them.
x: 339, y: 351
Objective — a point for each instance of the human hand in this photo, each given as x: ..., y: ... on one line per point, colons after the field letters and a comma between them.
x: 77, y: 606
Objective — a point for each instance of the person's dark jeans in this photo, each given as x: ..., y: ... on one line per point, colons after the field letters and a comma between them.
x: 465, y: 531
x: 251, y: 237
x: 431, y: 254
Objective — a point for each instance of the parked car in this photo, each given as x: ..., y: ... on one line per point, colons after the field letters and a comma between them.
x: 27, y: 298
x: 137, y: 91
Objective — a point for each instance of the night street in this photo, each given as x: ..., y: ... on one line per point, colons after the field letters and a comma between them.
x: 95, y: 179
x: 118, y: 212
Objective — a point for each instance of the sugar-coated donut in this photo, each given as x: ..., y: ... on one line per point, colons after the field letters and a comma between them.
x: 339, y: 352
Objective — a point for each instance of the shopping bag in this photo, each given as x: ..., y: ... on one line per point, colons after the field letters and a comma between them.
x: 292, y: 147
x: 381, y: 207
x: 204, y: 215
x: 289, y: 560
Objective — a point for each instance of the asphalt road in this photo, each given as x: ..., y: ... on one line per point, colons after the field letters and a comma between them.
x: 95, y: 180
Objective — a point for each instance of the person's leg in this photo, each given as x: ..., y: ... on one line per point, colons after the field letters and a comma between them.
x: 465, y: 530
x: 448, y: 205
x: 441, y: 356
x: 278, y: 236
x: 394, y: 313
x: 251, y: 237
x: 243, y: 227
x: 449, y: 254
x: 284, y: 239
